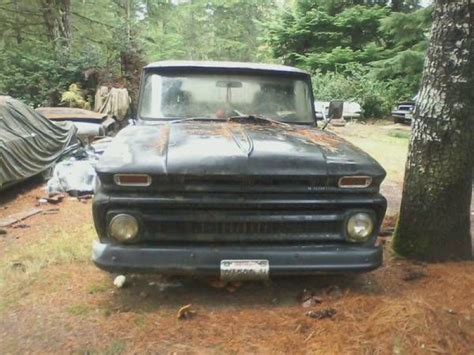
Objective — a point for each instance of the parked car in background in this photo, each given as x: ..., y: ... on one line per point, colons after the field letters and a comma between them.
x: 225, y: 173
x: 29, y: 143
x: 89, y: 124
x: 403, y: 113
x: 351, y: 109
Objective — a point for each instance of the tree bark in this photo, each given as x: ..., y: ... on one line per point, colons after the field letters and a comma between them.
x: 397, y: 5
x: 17, y: 25
x: 434, y: 222
x: 57, y: 21
x: 64, y: 22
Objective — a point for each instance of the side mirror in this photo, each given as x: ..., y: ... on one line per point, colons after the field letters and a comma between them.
x: 335, y: 111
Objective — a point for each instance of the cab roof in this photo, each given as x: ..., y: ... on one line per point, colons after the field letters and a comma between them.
x: 224, y: 66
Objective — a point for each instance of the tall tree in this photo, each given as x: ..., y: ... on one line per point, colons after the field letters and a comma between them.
x: 321, y: 35
x: 434, y: 221
x: 56, y: 16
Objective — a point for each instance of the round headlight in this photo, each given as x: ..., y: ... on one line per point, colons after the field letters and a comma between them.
x: 360, y: 227
x: 123, y: 227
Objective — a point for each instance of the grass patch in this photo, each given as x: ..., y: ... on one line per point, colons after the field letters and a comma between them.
x: 117, y: 347
x: 22, y: 268
x: 79, y: 310
x: 99, y: 288
x: 399, y: 134
x: 140, y: 320
x: 389, y: 151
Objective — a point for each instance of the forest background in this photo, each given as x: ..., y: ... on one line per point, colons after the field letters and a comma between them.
x: 371, y: 52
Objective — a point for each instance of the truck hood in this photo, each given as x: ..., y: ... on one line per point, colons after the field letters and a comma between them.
x: 229, y: 148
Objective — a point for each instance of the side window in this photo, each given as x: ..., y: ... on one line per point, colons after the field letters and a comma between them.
x: 151, y: 97
x: 146, y: 98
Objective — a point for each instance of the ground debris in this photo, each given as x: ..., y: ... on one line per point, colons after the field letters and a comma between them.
x: 119, y: 281
x: 231, y: 286
x: 21, y: 225
x: 216, y: 283
x: 414, y: 275
x: 51, y: 211
x: 307, y: 298
x: 334, y: 291
x: 322, y: 314
x: 386, y: 232
x: 381, y: 240
x: 312, y: 301
x: 186, y: 312
x: 411, y: 274
x: 85, y: 197
x: 41, y: 202
x: 6, y: 222
x: 3, y: 231
x: 18, y: 265
x: 55, y: 199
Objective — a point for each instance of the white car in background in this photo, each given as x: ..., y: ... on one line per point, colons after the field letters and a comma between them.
x: 403, y: 113
x: 351, y: 109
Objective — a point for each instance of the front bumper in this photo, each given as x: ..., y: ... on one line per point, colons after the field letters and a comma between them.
x: 205, y: 260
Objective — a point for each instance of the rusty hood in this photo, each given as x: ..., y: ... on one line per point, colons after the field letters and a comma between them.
x: 229, y: 148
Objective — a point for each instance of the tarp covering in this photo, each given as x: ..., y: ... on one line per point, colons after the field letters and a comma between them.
x: 114, y: 102
x: 75, y: 173
x: 29, y: 143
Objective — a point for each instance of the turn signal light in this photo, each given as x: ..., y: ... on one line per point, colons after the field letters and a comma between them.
x: 132, y: 179
x: 355, y: 182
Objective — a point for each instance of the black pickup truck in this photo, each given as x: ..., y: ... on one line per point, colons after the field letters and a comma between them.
x: 226, y: 173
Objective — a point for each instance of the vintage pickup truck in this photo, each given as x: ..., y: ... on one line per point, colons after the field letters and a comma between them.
x: 226, y: 173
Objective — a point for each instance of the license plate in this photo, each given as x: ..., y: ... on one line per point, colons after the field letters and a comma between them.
x: 244, y: 269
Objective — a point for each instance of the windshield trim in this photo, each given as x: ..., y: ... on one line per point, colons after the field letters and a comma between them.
x: 163, y: 71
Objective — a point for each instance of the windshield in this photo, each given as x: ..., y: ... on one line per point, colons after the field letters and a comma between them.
x: 222, y: 96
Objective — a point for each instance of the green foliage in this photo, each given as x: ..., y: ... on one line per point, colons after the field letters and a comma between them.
x: 407, y: 40
x: 369, y: 51
x: 355, y: 83
x: 33, y: 73
x: 74, y: 97
x: 111, y: 40
x: 358, y: 50
x: 206, y: 30
x: 320, y: 35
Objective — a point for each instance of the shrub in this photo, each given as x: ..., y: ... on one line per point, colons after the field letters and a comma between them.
x: 355, y: 82
x: 38, y: 76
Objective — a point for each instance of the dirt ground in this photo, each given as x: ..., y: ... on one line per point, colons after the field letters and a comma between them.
x: 53, y: 300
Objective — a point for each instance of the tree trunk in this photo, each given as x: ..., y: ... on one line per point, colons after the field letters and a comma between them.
x: 56, y: 16
x: 434, y: 223
x: 64, y: 22
x: 17, y: 25
x: 48, y: 12
x: 397, y: 5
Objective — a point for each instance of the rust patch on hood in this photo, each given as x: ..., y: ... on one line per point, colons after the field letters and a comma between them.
x: 239, y: 132
x: 163, y: 139
x: 326, y: 140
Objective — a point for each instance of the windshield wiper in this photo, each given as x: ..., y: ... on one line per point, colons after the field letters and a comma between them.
x: 256, y: 119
